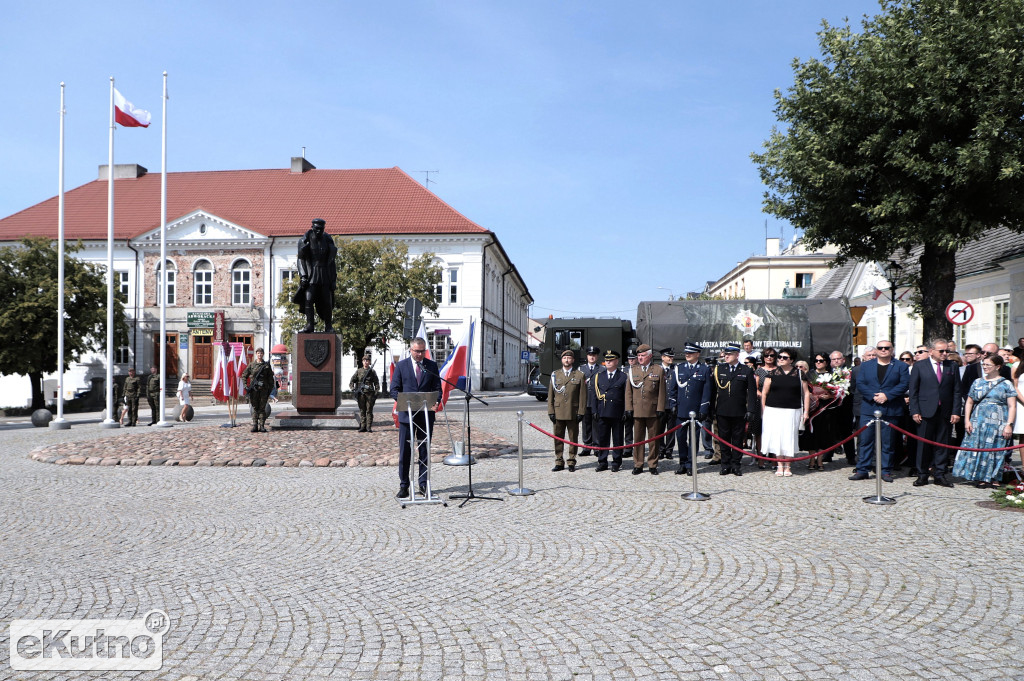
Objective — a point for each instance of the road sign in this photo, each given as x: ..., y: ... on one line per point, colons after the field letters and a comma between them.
x: 413, y: 317
x: 525, y: 355
x: 959, y: 312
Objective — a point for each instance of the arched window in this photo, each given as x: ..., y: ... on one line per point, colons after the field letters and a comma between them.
x: 241, y: 283
x: 203, y: 287
x: 171, y: 277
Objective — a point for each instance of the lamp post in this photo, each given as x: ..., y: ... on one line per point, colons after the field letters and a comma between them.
x: 892, y: 275
x: 670, y: 296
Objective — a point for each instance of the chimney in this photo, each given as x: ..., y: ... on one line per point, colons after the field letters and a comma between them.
x: 122, y: 171
x: 771, y: 247
x: 301, y: 165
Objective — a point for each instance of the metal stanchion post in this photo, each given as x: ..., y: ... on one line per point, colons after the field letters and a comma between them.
x: 694, y: 495
x: 520, y: 491
x: 878, y: 499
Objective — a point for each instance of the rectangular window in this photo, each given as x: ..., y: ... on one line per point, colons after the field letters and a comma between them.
x: 240, y: 288
x: 804, y: 279
x: 170, y: 287
x: 568, y: 339
x: 1002, y: 325
x: 453, y: 286
x: 204, y: 287
x: 121, y: 284
x: 440, y: 346
x: 960, y: 336
x: 122, y: 355
x: 287, y: 276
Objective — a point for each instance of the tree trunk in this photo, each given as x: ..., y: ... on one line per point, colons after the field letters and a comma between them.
x: 938, y: 284
x: 36, y: 378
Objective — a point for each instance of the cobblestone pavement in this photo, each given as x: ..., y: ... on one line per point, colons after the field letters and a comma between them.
x: 311, y: 573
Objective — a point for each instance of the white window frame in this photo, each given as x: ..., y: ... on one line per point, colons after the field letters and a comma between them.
x: 453, y: 285
x: 1001, y: 322
x: 196, y: 283
x: 241, y: 283
x: 171, y: 290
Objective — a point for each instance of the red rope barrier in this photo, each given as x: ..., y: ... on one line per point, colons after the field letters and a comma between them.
x: 786, y: 459
x: 588, y: 447
x: 939, y: 444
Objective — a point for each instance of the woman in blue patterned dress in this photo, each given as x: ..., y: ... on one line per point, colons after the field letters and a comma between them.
x: 989, y: 415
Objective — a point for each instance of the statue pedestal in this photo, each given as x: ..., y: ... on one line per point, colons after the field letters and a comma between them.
x: 316, y: 362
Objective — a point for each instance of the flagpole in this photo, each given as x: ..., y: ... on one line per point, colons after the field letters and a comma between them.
x: 110, y: 421
x: 59, y: 423
x: 163, y: 422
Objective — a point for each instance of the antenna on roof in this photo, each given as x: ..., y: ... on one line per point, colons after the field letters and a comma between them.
x: 303, y: 152
x: 427, y: 173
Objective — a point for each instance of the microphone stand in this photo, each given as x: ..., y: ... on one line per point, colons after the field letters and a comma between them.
x: 469, y: 452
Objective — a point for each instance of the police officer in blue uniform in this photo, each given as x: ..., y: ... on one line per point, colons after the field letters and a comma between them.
x: 608, y: 405
x: 689, y: 389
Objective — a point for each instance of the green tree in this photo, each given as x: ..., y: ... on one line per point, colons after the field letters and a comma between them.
x: 907, y: 134
x: 374, y: 280
x: 28, y: 318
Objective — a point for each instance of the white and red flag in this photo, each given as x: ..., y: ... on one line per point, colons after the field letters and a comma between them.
x: 127, y: 114
x: 457, y: 366
x: 240, y: 365
x: 224, y: 375
x: 422, y: 333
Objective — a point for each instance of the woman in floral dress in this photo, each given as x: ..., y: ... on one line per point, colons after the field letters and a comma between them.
x: 989, y: 415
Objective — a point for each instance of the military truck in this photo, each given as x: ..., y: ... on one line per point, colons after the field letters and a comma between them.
x: 577, y: 334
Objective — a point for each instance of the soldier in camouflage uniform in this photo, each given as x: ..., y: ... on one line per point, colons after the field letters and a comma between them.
x: 365, y: 385
x: 153, y: 394
x: 258, y: 379
x: 132, y: 386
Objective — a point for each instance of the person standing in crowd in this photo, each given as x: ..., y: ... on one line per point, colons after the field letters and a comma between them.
x: 754, y: 426
x: 415, y: 374
x: 1019, y: 350
x: 608, y: 405
x: 747, y: 351
x: 132, y: 389
x: 667, y: 421
x: 881, y: 385
x: 627, y: 431
x: 992, y: 349
x: 645, y: 404
x: 1018, y: 424
x: 258, y: 382
x: 990, y: 413
x: 734, y: 391
x: 567, y: 403
x: 842, y: 415
x: 817, y: 433
x: 184, y: 396
x: 934, y: 407
x: 589, y: 370
x: 365, y: 385
x: 785, y: 403
x: 689, y: 389
x: 769, y: 363
x: 153, y: 395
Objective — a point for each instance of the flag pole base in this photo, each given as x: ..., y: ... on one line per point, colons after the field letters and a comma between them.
x: 521, y: 492
x: 880, y: 501
x: 109, y: 423
x: 164, y: 424
x: 60, y: 424
x: 696, y: 496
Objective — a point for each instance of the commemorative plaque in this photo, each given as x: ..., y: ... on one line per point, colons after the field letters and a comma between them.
x: 316, y: 358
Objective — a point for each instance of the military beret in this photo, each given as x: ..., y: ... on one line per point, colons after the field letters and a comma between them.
x: 568, y: 353
x: 611, y: 354
x: 643, y: 348
x: 593, y: 350
x: 668, y: 352
x: 691, y: 347
x: 732, y: 347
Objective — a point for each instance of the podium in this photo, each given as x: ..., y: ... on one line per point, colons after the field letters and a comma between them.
x: 415, y: 405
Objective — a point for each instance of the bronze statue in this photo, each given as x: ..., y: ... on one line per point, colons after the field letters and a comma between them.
x: 318, y: 274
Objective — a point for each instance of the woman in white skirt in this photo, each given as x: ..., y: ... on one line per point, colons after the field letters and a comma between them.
x: 184, y: 395
x: 785, y: 403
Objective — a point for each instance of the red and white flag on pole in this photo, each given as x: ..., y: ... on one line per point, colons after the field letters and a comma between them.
x: 127, y: 114
x: 457, y: 366
x: 878, y: 292
x: 223, y: 375
x: 240, y: 365
x: 422, y: 333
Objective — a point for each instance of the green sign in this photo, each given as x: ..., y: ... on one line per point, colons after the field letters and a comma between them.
x: 200, y: 320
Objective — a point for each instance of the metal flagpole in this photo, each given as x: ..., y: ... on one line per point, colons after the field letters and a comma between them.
x: 59, y: 423
x: 110, y: 421
x: 163, y: 422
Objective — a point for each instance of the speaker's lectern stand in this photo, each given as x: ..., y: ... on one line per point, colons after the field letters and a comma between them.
x: 415, y: 404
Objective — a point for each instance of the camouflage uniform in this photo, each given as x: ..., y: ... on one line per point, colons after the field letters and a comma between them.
x: 153, y: 396
x: 258, y: 378
x: 132, y: 385
x: 365, y: 385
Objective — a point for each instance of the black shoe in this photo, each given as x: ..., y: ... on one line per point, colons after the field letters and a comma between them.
x: 254, y: 429
x: 638, y: 471
x: 725, y: 470
x: 737, y: 472
x: 914, y: 471
x: 922, y: 481
x: 707, y: 455
x: 557, y: 468
x: 572, y: 468
x: 654, y: 471
x: 403, y: 492
x: 369, y: 430
x: 858, y: 476
x: 942, y: 482
x: 715, y: 462
x: 886, y: 477
x: 586, y: 452
x: 666, y: 456
x: 616, y: 467
x: 601, y: 467
x: 681, y: 470
x: 422, y: 490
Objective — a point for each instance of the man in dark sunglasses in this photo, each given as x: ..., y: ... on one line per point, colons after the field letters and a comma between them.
x: 881, y: 385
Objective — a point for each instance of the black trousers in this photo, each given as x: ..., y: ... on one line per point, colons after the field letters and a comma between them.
x: 730, y: 429
x: 668, y: 442
x: 608, y: 432
x: 929, y: 456
x: 405, y: 449
x: 682, y: 436
x: 587, y: 431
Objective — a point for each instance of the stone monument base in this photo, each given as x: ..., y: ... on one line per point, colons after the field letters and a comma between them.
x: 316, y: 373
x: 293, y: 420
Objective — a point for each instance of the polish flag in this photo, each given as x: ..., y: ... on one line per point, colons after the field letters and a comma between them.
x: 877, y: 293
x: 240, y: 365
x: 422, y: 333
x: 457, y: 366
x: 127, y: 114
x: 223, y: 376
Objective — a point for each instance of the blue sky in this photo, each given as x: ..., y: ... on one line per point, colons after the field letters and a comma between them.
x: 606, y: 143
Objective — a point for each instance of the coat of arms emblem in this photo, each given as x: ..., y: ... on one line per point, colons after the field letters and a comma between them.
x: 316, y: 351
x: 747, y: 322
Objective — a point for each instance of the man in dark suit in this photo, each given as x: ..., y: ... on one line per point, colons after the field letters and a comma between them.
x: 881, y: 385
x: 734, y: 392
x: 414, y: 374
x: 608, y: 405
x: 934, y: 406
x: 689, y: 389
x: 589, y: 369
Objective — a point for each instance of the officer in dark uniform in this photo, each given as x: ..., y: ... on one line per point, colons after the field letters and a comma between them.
x: 589, y: 369
x: 734, y: 390
x: 132, y: 388
x: 153, y: 394
x: 627, y: 435
x: 689, y: 389
x: 365, y: 385
x: 668, y: 419
x: 258, y: 379
x: 608, y: 405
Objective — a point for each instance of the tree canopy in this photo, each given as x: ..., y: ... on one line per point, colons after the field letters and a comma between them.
x: 375, y: 278
x: 28, y: 317
x: 906, y: 135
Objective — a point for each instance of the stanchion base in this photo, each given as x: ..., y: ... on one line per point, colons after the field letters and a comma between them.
x: 696, y: 496
x: 521, y: 492
x: 164, y: 424
x: 110, y: 424
x: 59, y: 424
x: 419, y: 500
x: 458, y: 460
x: 880, y: 501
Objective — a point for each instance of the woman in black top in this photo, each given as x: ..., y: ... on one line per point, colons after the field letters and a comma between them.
x: 785, y: 402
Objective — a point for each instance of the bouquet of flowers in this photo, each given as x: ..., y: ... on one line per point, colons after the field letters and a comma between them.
x: 1011, y: 495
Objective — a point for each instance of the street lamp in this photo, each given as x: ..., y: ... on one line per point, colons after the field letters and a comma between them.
x: 892, y: 275
x: 670, y: 296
